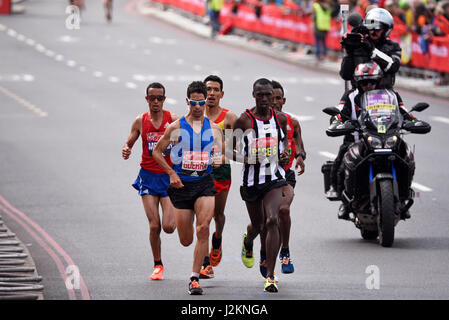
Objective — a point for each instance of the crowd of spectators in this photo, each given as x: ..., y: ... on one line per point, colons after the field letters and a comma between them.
x: 426, y: 17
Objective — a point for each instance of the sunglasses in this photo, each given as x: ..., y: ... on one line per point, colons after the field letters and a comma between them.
x: 159, y: 98
x: 193, y: 103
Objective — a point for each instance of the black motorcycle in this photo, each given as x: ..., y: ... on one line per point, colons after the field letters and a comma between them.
x: 379, y: 167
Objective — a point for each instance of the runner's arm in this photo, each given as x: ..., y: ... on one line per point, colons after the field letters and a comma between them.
x: 299, y: 147
x: 132, y: 138
x: 162, y: 144
x: 219, y: 143
x: 234, y: 150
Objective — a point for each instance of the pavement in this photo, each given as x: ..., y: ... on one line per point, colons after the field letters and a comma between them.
x: 176, y: 17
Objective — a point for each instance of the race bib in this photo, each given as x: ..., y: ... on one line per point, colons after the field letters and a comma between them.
x: 153, y: 138
x: 265, y: 147
x: 195, y: 163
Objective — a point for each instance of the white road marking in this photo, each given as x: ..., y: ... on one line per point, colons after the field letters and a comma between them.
x: 113, y: 79
x: 309, y: 99
x: 23, y: 102
x: 197, y: 67
x: 179, y: 61
x: 328, y: 154
x: 21, y: 37
x: 49, y: 53
x: 59, y: 57
x: 171, y: 101
x: 40, y: 47
x: 30, y: 42
x: 131, y: 85
x: 440, y: 119
x: 71, y: 63
x: 2, y: 27
x: 421, y: 187
x: 11, y: 33
x: 82, y: 68
x: 98, y: 74
x: 17, y: 77
x: 301, y: 118
x: 68, y: 39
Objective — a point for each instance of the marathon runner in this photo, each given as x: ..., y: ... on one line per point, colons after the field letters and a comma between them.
x: 191, y: 188
x: 221, y: 175
x: 152, y: 181
x: 296, y: 151
x: 264, y: 150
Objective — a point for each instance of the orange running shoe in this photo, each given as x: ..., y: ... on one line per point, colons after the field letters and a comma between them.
x: 215, y: 255
x: 207, y: 273
x: 157, y: 273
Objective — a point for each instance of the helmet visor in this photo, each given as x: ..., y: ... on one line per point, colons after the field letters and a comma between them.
x: 373, y: 24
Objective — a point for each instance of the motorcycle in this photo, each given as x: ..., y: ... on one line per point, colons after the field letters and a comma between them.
x: 379, y: 167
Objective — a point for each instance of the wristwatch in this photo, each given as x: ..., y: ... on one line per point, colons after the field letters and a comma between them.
x: 301, y: 154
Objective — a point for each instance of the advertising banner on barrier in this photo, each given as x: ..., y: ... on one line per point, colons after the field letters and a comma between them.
x: 274, y: 22
x: 5, y: 6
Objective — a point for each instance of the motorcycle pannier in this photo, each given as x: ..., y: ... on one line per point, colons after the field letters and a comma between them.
x: 326, y: 170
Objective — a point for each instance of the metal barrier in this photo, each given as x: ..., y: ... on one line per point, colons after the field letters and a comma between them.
x: 18, y: 276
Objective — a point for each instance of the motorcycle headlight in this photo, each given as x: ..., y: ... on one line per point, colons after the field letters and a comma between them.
x: 391, y: 142
x: 374, y: 142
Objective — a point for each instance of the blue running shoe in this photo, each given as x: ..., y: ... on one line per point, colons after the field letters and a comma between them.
x: 286, y: 261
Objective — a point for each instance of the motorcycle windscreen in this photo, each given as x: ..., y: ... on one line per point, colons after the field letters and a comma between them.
x: 381, y: 110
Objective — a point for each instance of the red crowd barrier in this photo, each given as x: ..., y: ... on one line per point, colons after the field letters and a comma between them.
x: 299, y: 28
x: 5, y: 6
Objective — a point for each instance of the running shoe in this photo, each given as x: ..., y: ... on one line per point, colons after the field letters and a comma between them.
x: 195, y: 288
x: 247, y: 255
x: 270, y: 285
x: 157, y: 273
x: 286, y: 261
x: 206, y: 272
x: 215, y: 254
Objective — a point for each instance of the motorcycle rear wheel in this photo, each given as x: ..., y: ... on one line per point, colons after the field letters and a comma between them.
x: 386, y: 213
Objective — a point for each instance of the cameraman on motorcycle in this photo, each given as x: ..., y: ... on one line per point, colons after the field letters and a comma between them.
x: 367, y: 76
x: 367, y: 42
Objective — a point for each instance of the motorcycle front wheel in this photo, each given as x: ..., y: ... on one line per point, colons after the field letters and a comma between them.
x: 386, y: 213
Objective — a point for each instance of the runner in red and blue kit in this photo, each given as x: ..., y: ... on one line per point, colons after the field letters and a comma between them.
x: 152, y: 181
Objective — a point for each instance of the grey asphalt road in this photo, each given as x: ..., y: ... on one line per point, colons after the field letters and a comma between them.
x: 67, y: 100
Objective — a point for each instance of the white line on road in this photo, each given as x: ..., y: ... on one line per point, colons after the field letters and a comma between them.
x: 23, y: 102
x: 113, y: 79
x: 131, y: 85
x: 98, y: 74
x: 328, y: 154
x: 420, y: 187
x: 301, y: 118
x: 440, y: 119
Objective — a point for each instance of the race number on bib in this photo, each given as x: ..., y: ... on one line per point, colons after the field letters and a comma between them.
x: 195, y: 163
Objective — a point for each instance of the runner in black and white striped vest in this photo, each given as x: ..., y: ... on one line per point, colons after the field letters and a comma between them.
x: 264, y: 142
x: 258, y: 142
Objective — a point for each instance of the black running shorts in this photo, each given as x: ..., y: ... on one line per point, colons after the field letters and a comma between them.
x: 258, y: 192
x: 290, y: 177
x: 185, y: 197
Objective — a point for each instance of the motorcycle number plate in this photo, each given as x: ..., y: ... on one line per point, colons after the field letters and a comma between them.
x: 381, y: 128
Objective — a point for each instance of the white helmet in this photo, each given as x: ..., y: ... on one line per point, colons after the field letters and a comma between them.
x: 378, y: 18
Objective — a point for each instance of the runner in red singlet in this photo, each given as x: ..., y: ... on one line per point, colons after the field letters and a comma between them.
x: 152, y: 181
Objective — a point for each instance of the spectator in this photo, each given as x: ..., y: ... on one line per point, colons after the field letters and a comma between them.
x: 322, y: 23
x: 215, y: 8
x: 442, y: 18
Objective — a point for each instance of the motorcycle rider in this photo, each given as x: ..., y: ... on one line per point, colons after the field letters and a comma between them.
x: 367, y: 76
x: 367, y: 42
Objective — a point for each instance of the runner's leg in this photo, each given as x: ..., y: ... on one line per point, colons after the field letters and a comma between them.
x: 184, y: 224
x: 151, y: 206
x: 284, y: 214
x: 272, y: 203
x: 204, y: 210
x: 168, y: 215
